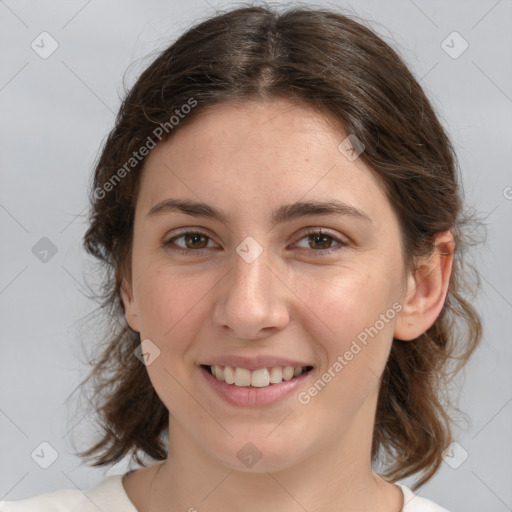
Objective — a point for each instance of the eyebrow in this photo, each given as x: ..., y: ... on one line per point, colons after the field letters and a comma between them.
x: 282, y: 214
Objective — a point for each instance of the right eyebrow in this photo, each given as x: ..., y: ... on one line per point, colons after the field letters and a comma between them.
x: 193, y: 208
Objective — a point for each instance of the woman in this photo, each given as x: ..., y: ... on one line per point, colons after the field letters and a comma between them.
x: 278, y: 213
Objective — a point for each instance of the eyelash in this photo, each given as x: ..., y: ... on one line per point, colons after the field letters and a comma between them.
x: 318, y: 231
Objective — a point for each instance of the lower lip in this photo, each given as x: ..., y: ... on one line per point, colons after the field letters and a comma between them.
x: 254, y: 397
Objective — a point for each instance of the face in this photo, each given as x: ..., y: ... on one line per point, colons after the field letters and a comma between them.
x: 292, y: 259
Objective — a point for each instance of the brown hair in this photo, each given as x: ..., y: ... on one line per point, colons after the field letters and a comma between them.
x: 337, y: 65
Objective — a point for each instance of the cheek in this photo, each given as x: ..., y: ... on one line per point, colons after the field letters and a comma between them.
x: 168, y: 299
x: 351, y: 318
x: 347, y: 300
x: 353, y: 326
x: 171, y: 310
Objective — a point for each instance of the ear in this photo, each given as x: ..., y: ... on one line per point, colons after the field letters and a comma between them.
x: 130, y: 306
x: 427, y: 287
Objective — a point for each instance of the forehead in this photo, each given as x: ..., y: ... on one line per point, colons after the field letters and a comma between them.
x: 259, y: 155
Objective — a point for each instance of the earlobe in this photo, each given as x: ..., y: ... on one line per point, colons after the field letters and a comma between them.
x: 426, y: 291
x: 130, y: 310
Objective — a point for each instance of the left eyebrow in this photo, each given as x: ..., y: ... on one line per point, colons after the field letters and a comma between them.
x: 282, y: 214
x: 293, y: 211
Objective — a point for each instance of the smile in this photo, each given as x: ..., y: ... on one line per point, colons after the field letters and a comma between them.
x: 259, y: 378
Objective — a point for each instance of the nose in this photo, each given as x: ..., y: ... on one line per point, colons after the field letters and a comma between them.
x: 252, y: 300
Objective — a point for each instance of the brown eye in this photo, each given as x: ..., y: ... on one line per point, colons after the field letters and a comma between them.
x: 321, y: 243
x: 188, y: 241
x: 195, y: 241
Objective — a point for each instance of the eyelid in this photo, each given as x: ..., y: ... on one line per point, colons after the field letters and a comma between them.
x: 341, y: 241
x: 325, y: 231
x: 166, y: 243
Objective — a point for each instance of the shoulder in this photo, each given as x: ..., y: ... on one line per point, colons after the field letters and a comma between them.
x: 414, y: 503
x: 107, y: 495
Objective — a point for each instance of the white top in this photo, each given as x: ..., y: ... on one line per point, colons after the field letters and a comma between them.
x: 110, y: 496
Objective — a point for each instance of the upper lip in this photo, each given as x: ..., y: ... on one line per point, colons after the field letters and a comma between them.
x: 253, y: 363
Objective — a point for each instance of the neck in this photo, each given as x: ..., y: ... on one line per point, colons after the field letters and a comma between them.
x: 335, y: 479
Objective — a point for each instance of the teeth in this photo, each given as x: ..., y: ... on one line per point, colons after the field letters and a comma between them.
x: 217, y: 371
x: 260, y: 378
x: 288, y: 373
x: 242, y: 377
x: 229, y: 375
x: 276, y: 375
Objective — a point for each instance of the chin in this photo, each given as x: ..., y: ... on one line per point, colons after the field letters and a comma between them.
x: 258, y: 454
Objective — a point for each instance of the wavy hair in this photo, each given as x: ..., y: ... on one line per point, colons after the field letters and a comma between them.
x: 336, y: 64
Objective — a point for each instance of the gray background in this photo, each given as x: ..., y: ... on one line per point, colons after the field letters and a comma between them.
x: 55, y: 112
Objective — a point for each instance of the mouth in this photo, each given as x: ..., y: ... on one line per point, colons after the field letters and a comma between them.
x: 258, y: 378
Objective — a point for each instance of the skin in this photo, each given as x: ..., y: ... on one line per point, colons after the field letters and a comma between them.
x: 291, y: 301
